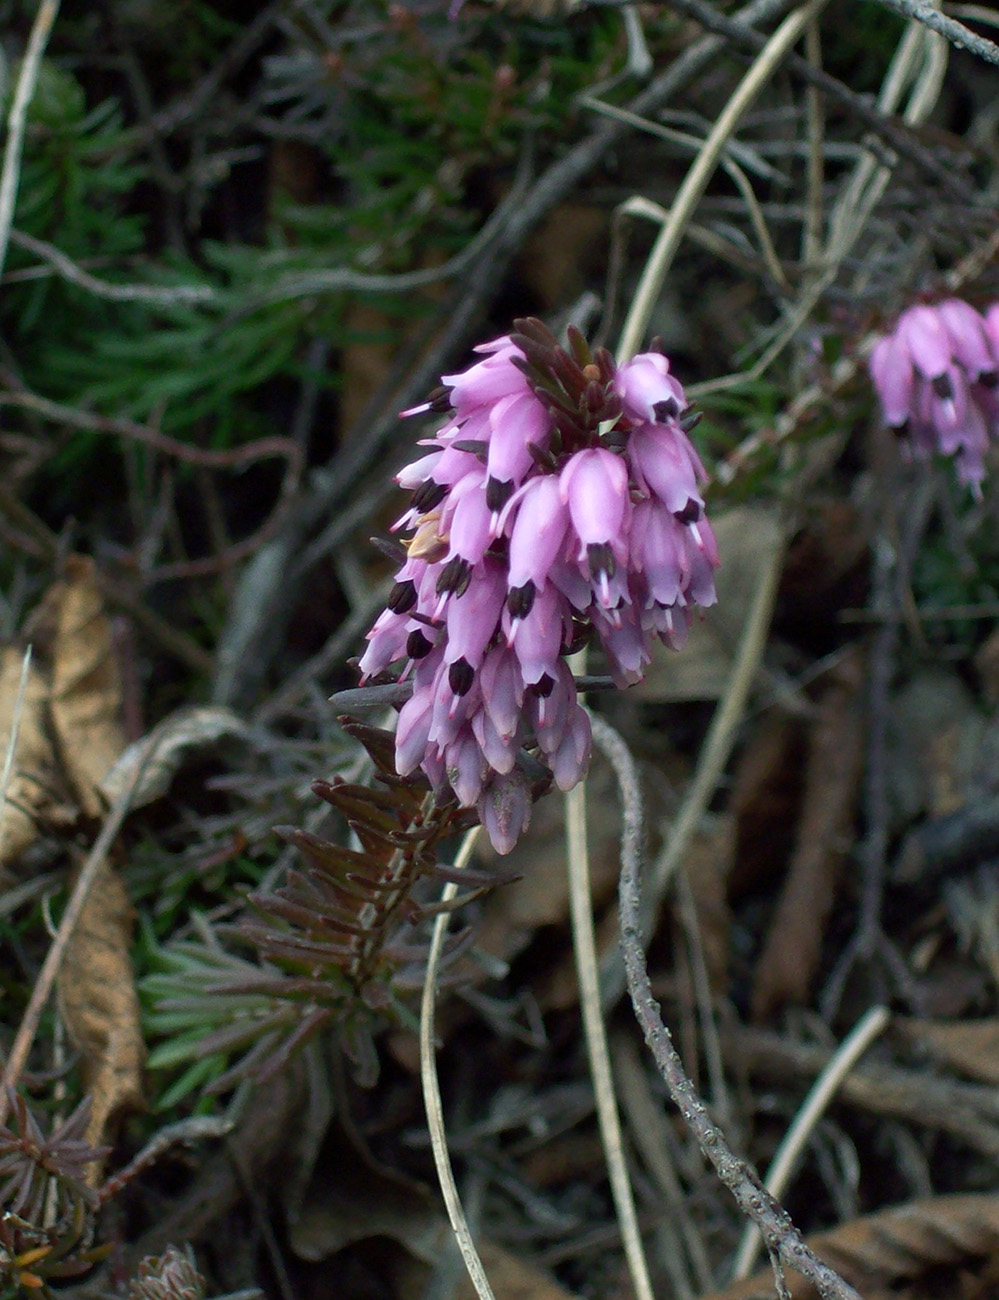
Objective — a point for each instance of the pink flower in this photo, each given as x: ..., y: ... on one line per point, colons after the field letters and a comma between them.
x: 935, y: 375
x: 560, y: 497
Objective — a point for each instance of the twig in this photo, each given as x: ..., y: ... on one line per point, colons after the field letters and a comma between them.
x: 17, y: 118
x: 874, y: 118
x: 783, y: 1240
x: 150, y: 293
x: 431, y: 1087
x: 812, y: 1108
x: 955, y: 32
x: 585, y: 947
x: 196, y: 1128
x: 696, y: 180
x: 234, y: 458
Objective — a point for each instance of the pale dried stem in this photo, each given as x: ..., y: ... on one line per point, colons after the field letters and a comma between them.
x: 27, y: 80
x: 784, y: 1242
x: 785, y: 1160
x: 432, y: 1103
x: 587, y: 968
x: 697, y: 178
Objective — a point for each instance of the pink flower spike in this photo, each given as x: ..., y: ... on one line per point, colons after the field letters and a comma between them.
x: 891, y: 369
x: 572, y: 758
x: 538, y: 533
x: 970, y: 345
x: 515, y: 423
x: 649, y: 392
x: 594, y: 485
x: 505, y: 810
x: 664, y: 458
x: 922, y: 333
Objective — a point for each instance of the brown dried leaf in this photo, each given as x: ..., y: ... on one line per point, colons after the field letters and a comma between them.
x: 32, y: 792
x: 99, y: 1004
x: 970, y: 1047
x: 883, y: 1250
x: 766, y: 796
x: 85, y: 697
x: 707, y: 865
x: 793, y: 945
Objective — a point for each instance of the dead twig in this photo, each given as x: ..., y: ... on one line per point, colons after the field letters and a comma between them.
x: 783, y: 1240
x: 960, y: 36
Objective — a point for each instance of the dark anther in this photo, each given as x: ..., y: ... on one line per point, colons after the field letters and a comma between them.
x: 390, y: 549
x: 989, y: 378
x: 477, y: 446
x: 690, y: 513
x: 460, y: 676
x: 454, y: 576
x: 498, y: 493
x: 521, y: 600
x: 544, y: 686
x: 428, y: 495
x: 440, y: 400
x: 601, y: 558
x: 943, y: 388
x: 402, y: 597
x: 417, y: 645
x: 667, y: 409
x: 691, y: 420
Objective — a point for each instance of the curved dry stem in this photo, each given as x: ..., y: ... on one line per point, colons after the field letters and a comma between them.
x: 432, y: 1092
x: 812, y: 1109
x: 585, y: 948
x: 24, y: 93
x: 696, y: 180
x: 782, y: 1238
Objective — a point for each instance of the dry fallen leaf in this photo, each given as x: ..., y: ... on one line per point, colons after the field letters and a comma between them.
x: 970, y: 1047
x: 880, y: 1251
x: 185, y: 731
x: 32, y: 793
x: 70, y: 737
x: 85, y: 695
x: 793, y: 945
x: 99, y: 1004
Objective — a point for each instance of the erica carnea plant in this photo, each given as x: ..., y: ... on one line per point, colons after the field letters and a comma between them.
x: 558, y: 503
x: 936, y: 376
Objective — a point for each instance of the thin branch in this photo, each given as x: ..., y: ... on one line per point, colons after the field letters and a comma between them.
x: 17, y: 119
x: 782, y: 1238
x: 821, y: 1093
x: 959, y: 35
x: 432, y: 1092
x: 696, y: 180
x: 585, y: 947
x: 69, y: 270
x: 235, y: 458
x: 900, y: 140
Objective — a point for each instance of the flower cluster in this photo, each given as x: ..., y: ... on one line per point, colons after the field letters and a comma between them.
x: 937, y: 377
x: 558, y: 501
